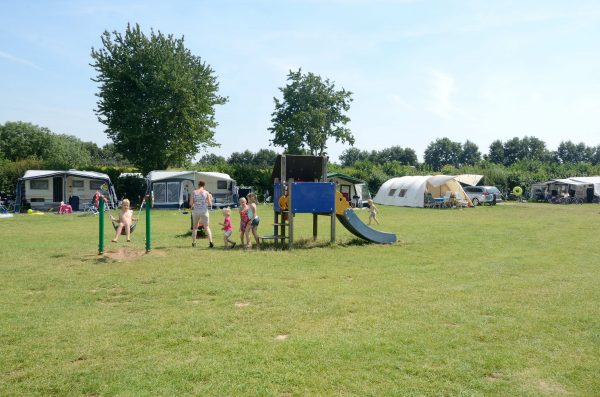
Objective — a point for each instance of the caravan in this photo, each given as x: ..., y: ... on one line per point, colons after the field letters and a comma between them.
x: 44, y: 189
x: 172, y: 189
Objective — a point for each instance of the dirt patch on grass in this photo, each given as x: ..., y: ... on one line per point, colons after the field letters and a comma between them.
x: 493, y: 376
x: 550, y: 387
x: 282, y: 337
x: 533, y: 381
x: 124, y: 254
x: 121, y: 254
x: 242, y: 304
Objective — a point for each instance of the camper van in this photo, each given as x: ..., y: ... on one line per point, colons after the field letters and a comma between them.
x: 172, y: 189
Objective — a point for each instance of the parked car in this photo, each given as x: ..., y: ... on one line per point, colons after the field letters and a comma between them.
x: 483, y: 194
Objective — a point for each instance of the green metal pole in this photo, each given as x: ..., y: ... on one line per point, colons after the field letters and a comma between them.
x: 148, y: 242
x: 101, y: 226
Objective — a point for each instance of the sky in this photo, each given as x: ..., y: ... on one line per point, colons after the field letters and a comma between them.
x: 419, y: 70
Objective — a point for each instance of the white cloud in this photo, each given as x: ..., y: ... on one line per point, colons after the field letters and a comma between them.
x: 12, y: 58
x: 442, y: 87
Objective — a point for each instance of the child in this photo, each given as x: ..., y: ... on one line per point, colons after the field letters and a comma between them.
x: 254, y: 220
x: 125, y: 219
x: 372, y: 212
x: 227, y: 228
x: 244, y: 220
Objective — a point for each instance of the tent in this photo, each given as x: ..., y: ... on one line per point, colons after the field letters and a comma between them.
x: 44, y: 189
x: 410, y: 191
x: 171, y: 189
x: 354, y: 190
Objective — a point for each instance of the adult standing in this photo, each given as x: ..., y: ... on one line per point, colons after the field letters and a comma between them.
x: 200, y: 201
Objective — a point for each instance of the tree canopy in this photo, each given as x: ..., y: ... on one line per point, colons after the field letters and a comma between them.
x: 156, y: 98
x: 311, y: 112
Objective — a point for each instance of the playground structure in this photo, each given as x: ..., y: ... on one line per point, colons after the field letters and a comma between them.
x: 299, y: 186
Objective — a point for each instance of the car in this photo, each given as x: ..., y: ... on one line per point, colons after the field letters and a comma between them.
x: 483, y: 194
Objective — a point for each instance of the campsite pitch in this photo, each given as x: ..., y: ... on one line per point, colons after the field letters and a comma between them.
x: 491, y: 301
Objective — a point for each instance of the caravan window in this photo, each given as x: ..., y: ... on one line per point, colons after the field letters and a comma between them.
x: 402, y: 192
x: 38, y: 184
x: 173, y: 192
x: 160, y: 192
x: 392, y: 192
x: 96, y: 185
x: 77, y: 183
x: 222, y: 185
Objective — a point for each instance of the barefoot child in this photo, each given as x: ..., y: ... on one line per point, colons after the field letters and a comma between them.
x: 372, y: 212
x: 244, y: 220
x: 227, y: 228
x: 254, y: 220
x: 125, y: 219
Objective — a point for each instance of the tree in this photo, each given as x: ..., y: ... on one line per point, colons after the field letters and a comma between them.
x: 211, y: 160
x: 244, y: 158
x: 529, y: 148
x: 312, y: 111
x: 265, y: 158
x: 352, y: 155
x: 156, y: 99
x: 20, y: 141
x: 470, y: 154
x: 568, y: 152
x: 443, y: 152
x: 496, y: 153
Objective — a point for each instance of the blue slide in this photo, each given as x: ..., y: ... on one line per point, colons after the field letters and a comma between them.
x: 360, y: 229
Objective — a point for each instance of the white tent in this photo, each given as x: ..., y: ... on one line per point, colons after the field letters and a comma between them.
x: 410, y: 191
x: 171, y: 189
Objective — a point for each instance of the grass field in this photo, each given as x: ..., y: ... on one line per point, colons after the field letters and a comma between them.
x: 501, y: 301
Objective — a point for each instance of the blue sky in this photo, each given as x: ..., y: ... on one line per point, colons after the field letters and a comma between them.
x: 419, y: 70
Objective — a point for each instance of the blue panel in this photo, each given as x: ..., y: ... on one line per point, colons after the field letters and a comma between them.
x: 276, y: 195
x: 313, y: 197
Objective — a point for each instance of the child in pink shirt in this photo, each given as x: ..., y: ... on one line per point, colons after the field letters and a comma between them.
x: 227, y: 228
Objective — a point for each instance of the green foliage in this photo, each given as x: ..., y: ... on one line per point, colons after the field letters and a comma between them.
x: 11, y: 171
x: 130, y: 187
x: 156, y: 99
x: 211, y: 160
x: 443, y: 152
x: 312, y: 111
x: 20, y: 140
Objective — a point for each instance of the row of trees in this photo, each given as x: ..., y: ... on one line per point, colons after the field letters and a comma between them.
x: 26, y: 146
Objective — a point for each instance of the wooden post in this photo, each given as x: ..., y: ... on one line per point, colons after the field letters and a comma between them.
x: 315, y: 226
x: 333, y: 217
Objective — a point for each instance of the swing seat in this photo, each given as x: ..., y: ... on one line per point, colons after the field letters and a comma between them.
x: 123, y: 231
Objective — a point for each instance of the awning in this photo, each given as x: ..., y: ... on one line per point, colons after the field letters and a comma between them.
x: 469, y: 179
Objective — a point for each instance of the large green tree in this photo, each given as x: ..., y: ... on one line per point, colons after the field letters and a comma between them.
x: 443, y: 152
x: 311, y: 112
x: 156, y: 98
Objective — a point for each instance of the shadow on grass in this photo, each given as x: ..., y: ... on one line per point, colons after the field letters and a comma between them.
x: 311, y: 244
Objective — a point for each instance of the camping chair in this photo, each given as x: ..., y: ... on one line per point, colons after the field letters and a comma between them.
x: 429, y: 201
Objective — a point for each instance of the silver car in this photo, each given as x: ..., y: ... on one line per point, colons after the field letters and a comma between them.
x: 483, y: 194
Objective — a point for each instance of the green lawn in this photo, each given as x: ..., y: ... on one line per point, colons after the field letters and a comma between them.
x: 501, y: 301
